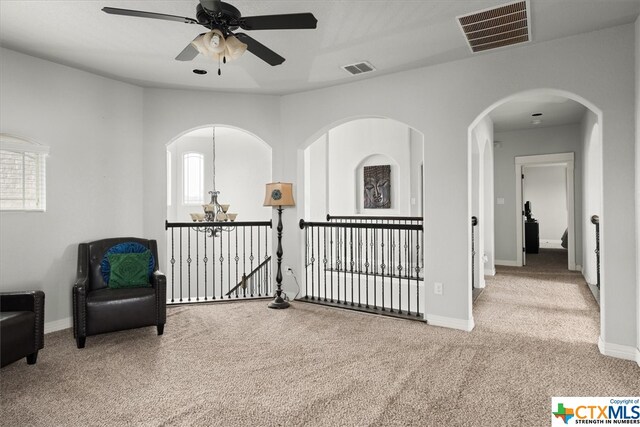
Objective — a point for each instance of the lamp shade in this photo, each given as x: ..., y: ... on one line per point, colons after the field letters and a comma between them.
x: 279, y: 194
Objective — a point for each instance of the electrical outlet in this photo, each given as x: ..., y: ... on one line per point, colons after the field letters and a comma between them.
x: 437, y: 288
x: 288, y: 270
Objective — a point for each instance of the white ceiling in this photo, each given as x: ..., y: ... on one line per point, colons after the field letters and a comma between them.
x: 393, y: 35
x: 516, y: 114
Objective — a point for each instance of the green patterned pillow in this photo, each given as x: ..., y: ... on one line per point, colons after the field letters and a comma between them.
x: 129, y: 270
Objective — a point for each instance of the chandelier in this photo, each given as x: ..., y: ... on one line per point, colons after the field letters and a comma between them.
x: 215, y: 214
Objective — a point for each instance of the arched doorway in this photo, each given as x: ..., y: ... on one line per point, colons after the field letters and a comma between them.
x: 526, y: 129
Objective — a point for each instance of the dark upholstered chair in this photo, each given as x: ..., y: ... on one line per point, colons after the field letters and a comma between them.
x: 21, y: 326
x: 98, y: 309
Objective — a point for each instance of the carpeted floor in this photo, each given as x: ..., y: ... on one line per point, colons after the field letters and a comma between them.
x: 242, y: 364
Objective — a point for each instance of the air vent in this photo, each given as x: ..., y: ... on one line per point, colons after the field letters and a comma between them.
x: 497, y: 27
x: 359, y: 68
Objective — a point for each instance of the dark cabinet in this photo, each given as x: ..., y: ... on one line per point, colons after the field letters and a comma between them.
x: 532, y: 237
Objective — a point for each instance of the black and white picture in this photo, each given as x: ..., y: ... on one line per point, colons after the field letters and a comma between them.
x: 377, y: 187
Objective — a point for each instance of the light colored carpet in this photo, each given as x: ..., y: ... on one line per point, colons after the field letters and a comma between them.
x: 242, y: 364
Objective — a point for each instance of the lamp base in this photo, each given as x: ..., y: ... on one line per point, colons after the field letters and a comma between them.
x: 278, y: 302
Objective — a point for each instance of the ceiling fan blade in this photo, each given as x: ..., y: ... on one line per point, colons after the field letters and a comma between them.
x: 260, y: 50
x: 188, y: 53
x: 213, y: 7
x: 291, y: 21
x: 141, y: 14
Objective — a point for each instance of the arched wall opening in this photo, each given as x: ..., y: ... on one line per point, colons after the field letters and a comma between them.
x: 334, y: 165
x: 209, y: 259
x: 242, y: 167
x: 588, y: 195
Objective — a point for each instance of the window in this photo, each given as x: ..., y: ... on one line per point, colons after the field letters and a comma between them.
x: 193, y: 178
x: 22, y: 174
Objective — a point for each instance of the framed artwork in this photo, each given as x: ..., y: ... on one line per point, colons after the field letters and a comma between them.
x: 377, y: 187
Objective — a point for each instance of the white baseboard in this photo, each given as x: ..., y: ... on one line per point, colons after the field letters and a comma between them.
x: 58, y: 325
x: 638, y: 356
x: 450, y: 322
x: 507, y: 263
x: 625, y: 352
x: 578, y: 268
x: 490, y: 272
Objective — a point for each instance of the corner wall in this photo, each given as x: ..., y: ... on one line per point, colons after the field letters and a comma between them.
x: 93, y: 127
x: 637, y: 39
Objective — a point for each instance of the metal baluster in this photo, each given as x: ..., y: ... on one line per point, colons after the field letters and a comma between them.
x: 251, y: 255
x: 382, y: 268
x: 331, y: 257
x: 244, y: 259
x: 420, y: 236
x: 407, y: 267
x: 366, y: 265
x: 352, y: 262
x: 474, y: 222
x: 266, y: 256
x: 319, y: 274
x: 173, y: 265
x: 595, y: 220
x: 229, y: 264
x: 205, y: 260
x: 180, y: 265
x: 213, y: 267
x: 399, y: 272
x: 260, y: 286
x: 345, y: 267
x: 221, y: 269
x: 338, y: 263
x: 306, y: 263
x: 312, y: 260
x: 197, y: 266
x: 324, y: 260
x: 188, y: 264
x: 392, y: 246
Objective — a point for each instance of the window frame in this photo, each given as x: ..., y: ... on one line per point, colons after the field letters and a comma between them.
x: 186, y: 180
x: 24, y: 148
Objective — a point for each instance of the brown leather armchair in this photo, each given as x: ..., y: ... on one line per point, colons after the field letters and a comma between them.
x: 21, y: 326
x: 98, y: 309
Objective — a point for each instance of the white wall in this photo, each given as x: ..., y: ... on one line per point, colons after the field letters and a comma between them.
x: 93, y: 126
x: 549, y: 140
x: 592, y: 192
x: 441, y: 102
x: 316, y: 180
x: 546, y: 188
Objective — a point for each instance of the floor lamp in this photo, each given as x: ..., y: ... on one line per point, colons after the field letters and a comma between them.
x: 279, y: 194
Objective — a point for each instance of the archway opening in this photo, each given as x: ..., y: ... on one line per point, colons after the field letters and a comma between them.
x: 542, y: 132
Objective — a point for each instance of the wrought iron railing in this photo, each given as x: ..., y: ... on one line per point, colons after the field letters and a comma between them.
x: 206, y: 267
x: 369, y: 267
x: 474, y: 223
x: 595, y: 220
x: 375, y: 219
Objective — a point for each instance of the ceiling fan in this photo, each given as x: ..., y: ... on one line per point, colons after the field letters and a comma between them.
x: 222, y: 19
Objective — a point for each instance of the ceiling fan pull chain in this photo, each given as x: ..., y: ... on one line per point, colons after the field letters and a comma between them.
x: 219, y: 72
x: 224, y: 59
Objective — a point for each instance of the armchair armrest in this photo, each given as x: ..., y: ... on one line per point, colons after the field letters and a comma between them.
x: 159, y: 283
x: 79, y: 296
x: 27, y: 301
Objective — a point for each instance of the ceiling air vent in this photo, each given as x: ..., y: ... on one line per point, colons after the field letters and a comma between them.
x: 359, y: 68
x: 497, y: 27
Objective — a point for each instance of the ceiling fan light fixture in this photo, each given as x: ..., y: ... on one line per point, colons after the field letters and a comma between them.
x: 235, y: 48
